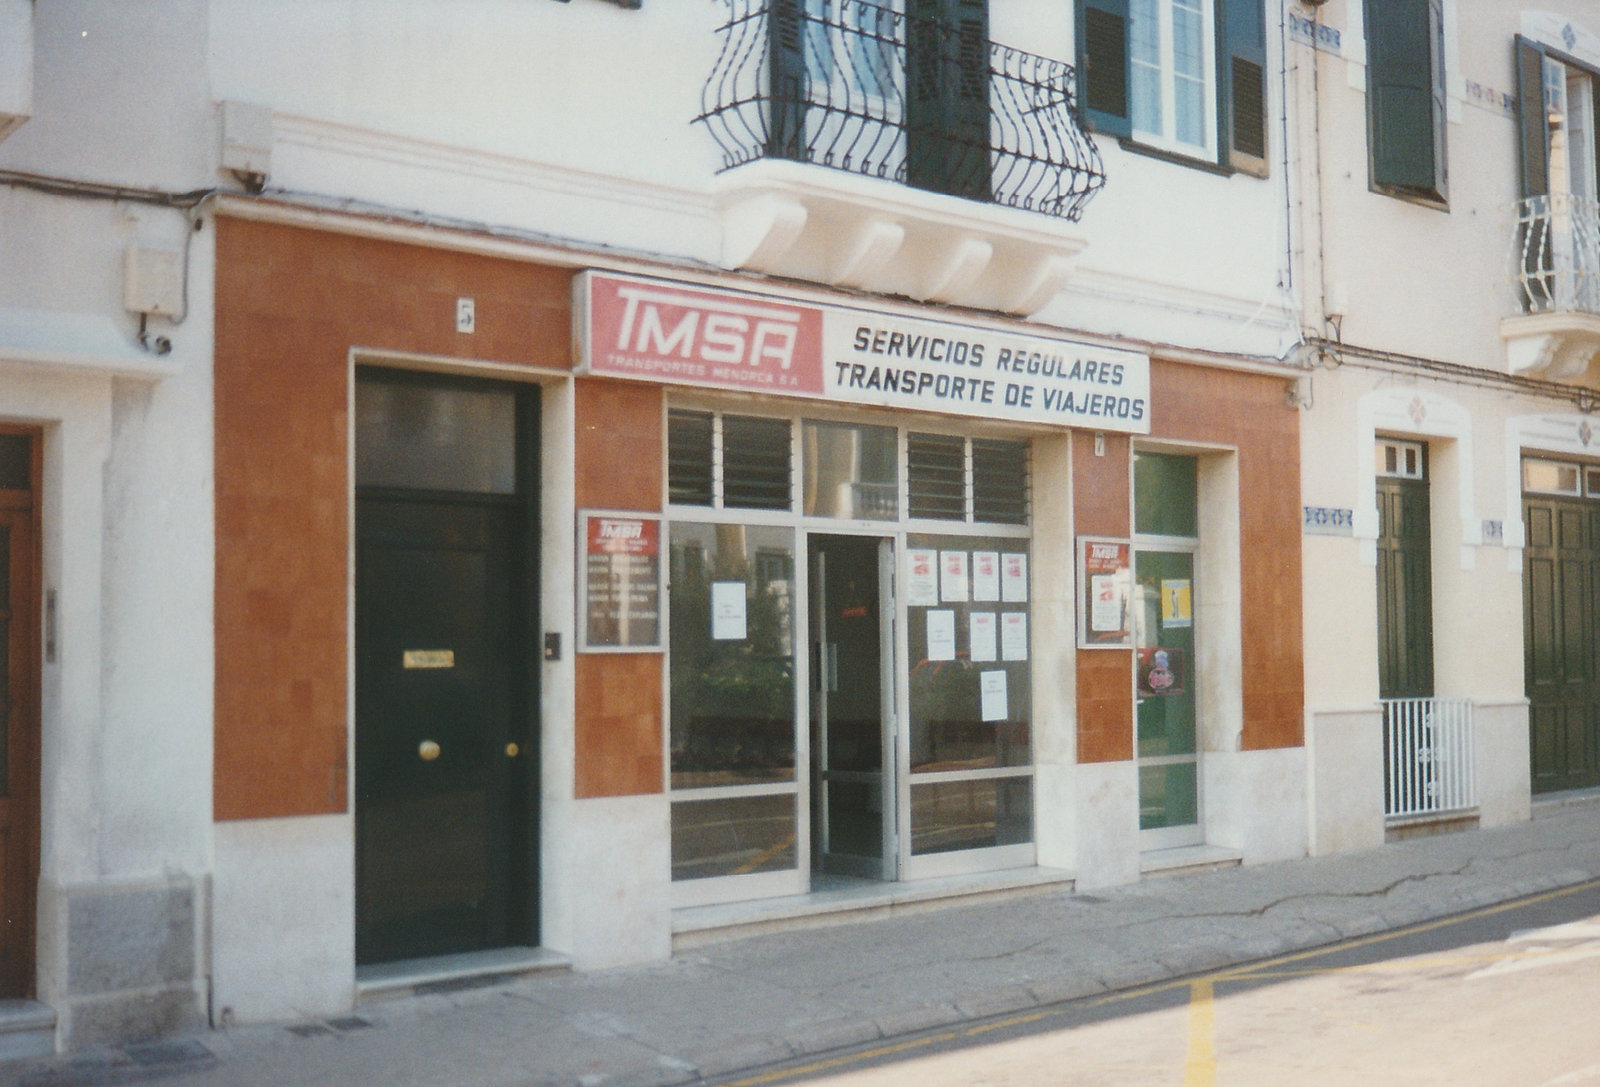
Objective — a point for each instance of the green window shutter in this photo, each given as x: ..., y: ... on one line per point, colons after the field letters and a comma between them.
x: 1533, y: 120
x: 947, y: 96
x: 786, y: 135
x: 1103, y: 66
x: 1242, y: 85
x: 1405, y: 96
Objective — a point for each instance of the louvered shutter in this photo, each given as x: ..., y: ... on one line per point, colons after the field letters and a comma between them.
x: 947, y: 96
x: 755, y: 463
x: 786, y: 74
x: 1242, y: 94
x: 1103, y: 66
x: 689, y: 458
x: 1405, y: 96
x: 936, y: 476
x: 1533, y: 119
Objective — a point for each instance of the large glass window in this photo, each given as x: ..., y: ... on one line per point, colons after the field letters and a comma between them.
x: 851, y: 471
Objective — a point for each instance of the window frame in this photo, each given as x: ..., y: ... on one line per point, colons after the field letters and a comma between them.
x: 1235, y: 91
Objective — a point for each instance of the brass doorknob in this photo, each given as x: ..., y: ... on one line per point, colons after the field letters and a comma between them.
x: 428, y: 750
x: 512, y: 751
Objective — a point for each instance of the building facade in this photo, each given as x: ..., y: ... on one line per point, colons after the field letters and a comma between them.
x: 535, y: 484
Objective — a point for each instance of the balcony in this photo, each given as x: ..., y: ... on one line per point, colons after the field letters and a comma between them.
x: 865, y: 148
x: 1555, y: 273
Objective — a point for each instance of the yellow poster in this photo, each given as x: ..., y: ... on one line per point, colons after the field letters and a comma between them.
x: 1177, y: 604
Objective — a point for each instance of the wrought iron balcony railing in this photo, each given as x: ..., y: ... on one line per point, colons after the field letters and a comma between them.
x: 1555, y: 255
x: 925, y: 102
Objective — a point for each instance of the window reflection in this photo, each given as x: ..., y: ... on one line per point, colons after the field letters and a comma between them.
x: 851, y: 471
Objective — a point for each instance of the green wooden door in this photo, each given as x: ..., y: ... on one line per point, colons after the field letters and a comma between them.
x: 1405, y: 590
x: 1561, y: 595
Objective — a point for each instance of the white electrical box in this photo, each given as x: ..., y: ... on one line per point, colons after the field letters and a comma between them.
x: 152, y: 281
x: 247, y: 140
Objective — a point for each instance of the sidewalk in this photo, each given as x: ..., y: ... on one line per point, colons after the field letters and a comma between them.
x: 732, y: 1006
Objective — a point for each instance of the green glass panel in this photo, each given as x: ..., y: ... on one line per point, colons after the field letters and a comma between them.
x: 732, y: 708
x: 1168, y: 796
x: 733, y: 837
x: 1164, y: 604
x: 951, y: 815
x: 1165, y: 499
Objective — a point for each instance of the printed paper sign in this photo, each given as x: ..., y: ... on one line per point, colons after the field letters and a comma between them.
x: 992, y: 694
x: 941, y: 635
x: 1105, y: 604
x: 1177, y: 607
x: 983, y: 635
x: 953, y: 577
x: 1014, y: 577
x: 985, y: 576
x: 727, y: 611
x: 1014, y: 636
x: 922, y: 578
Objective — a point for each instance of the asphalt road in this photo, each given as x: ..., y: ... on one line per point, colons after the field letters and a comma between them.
x: 1502, y: 995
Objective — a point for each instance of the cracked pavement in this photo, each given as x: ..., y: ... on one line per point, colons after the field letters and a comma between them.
x: 727, y: 1007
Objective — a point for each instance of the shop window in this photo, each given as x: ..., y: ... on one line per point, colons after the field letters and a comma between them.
x: 1406, y: 98
x: 851, y: 471
x: 1182, y: 76
x: 942, y: 486
x: 729, y: 461
x: 1165, y: 495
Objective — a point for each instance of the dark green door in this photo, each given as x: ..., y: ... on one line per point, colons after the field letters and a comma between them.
x: 1561, y: 594
x: 445, y: 734
x: 1405, y: 590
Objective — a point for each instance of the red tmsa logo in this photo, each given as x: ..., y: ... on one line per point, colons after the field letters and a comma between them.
x: 712, y: 329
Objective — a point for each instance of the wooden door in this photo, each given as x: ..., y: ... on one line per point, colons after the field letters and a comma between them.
x: 19, y: 710
x: 1561, y: 654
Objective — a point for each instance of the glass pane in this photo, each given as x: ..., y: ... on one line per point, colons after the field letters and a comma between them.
x: 413, y: 434
x: 851, y: 471
x: 1000, y: 481
x: 733, y: 837
x: 1188, y: 62
x: 855, y: 818
x: 15, y: 464
x: 951, y: 815
x: 1163, y: 616
x: 937, y: 468
x: 1144, y: 49
x: 971, y: 691
x: 1165, y: 495
x: 689, y: 452
x: 755, y: 463
x: 1168, y: 796
x: 1549, y: 476
x: 732, y: 672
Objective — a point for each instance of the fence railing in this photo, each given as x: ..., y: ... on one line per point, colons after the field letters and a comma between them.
x: 866, y: 89
x: 1555, y: 254
x: 1428, y: 762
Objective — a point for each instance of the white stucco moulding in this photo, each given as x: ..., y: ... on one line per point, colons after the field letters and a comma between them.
x: 804, y: 221
x: 1412, y: 413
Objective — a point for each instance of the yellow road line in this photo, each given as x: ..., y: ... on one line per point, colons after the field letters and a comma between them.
x: 1200, y: 1067
x: 1261, y: 970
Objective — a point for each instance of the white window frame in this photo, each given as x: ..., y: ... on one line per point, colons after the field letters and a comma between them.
x: 1166, y: 138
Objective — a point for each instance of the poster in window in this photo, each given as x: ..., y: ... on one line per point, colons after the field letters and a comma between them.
x: 1177, y: 603
x: 982, y: 636
x: 922, y: 578
x: 953, y: 577
x: 1104, y: 590
x: 620, y: 581
x: 986, y: 576
x: 1160, y: 672
x: 1014, y: 577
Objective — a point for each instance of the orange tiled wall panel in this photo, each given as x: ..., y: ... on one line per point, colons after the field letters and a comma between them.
x: 1105, y: 676
x: 618, y: 707
x: 1247, y: 411
x: 290, y: 305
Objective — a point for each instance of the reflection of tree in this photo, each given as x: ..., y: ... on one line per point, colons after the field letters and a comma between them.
x: 732, y: 701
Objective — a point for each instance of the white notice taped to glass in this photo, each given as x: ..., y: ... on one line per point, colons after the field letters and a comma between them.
x: 727, y: 611
x: 941, y: 635
x: 922, y: 578
x: 1014, y: 636
x: 953, y: 576
x: 985, y: 576
x: 1014, y: 577
x: 992, y: 690
x: 983, y: 635
x: 1105, y: 608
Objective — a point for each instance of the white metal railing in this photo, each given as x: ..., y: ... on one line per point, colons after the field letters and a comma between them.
x: 1555, y: 254
x: 1427, y: 756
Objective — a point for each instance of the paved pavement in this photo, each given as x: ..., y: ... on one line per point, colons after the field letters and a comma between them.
x: 735, y: 1006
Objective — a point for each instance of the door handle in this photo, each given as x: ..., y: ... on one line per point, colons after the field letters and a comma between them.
x: 427, y: 750
x: 512, y: 751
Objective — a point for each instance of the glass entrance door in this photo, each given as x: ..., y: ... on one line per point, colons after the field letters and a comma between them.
x: 852, y: 790
x: 1169, y: 763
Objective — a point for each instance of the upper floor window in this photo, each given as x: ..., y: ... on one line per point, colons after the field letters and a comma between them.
x: 1557, y: 96
x: 1181, y: 76
x: 1406, y: 98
